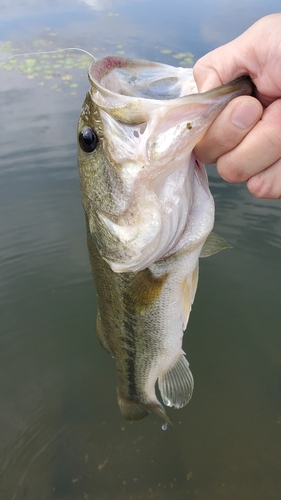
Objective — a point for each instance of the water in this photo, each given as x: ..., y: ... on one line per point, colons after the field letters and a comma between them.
x: 62, y: 435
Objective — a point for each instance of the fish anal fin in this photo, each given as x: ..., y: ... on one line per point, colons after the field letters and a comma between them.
x: 143, y: 291
x: 176, y: 385
x: 213, y: 244
x: 136, y: 410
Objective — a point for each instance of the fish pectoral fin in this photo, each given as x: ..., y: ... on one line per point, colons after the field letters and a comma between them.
x: 143, y: 291
x: 135, y: 410
x: 101, y: 335
x: 176, y: 385
x: 187, y: 294
x: 213, y: 244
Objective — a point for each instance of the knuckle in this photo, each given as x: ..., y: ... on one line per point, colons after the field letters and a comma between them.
x: 218, y: 141
x: 209, y: 149
x: 260, y: 187
x: 197, y: 68
x: 272, y: 134
x: 230, y: 170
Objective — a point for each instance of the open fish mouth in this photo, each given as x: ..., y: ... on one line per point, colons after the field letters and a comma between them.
x: 120, y: 78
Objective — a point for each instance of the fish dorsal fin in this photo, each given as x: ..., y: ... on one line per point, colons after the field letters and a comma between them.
x: 176, y: 385
x: 213, y: 244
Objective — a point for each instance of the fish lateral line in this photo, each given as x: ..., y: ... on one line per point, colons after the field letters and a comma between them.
x: 24, y: 54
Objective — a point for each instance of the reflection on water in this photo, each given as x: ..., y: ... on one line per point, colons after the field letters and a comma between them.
x: 62, y: 434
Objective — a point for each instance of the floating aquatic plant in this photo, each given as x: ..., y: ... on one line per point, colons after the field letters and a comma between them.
x: 185, y: 58
x: 166, y: 51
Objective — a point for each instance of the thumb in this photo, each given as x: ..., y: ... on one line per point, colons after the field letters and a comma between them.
x: 251, y: 53
x: 219, y: 66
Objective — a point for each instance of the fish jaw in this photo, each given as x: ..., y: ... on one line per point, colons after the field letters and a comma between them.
x: 145, y: 127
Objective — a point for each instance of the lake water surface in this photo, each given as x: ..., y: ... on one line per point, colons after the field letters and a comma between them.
x: 62, y: 436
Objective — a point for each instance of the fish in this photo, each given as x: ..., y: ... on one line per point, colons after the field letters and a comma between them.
x: 149, y: 217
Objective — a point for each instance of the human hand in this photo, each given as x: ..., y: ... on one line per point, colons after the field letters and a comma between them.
x: 245, y: 139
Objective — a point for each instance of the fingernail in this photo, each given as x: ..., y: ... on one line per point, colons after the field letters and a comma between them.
x: 245, y: 115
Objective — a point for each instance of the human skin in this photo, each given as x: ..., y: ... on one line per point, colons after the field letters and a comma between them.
x: 245, y: 140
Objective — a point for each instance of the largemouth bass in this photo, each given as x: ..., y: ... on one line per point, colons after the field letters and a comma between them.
x: 149, y: 215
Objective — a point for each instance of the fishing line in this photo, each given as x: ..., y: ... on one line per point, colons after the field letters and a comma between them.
x: 47, y: 52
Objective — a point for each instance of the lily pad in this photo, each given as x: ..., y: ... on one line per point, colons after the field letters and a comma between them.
x: 166, y: 51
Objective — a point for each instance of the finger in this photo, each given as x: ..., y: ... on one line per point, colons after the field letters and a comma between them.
x: 267, y: 184
x: 256, y: 53
x: 218, y: 67
x: 205, y: 76
x: 229, y: 129
x: 260, y: 148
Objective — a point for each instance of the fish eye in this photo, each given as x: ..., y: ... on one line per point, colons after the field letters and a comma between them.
x: 88, y: 139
